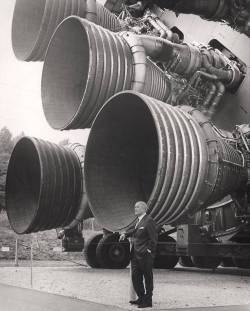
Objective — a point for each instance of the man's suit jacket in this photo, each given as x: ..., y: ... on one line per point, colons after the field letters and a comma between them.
x: 144, y: 237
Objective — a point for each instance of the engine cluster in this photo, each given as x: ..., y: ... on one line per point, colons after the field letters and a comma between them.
x: 149, y: 97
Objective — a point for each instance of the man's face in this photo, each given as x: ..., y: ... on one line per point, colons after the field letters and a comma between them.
x: 139, y: 209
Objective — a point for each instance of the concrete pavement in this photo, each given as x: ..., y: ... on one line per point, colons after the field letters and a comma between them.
x: 14, y: 298
x: 21, y: 299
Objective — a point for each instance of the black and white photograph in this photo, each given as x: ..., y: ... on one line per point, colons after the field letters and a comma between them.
x: 124, y: 155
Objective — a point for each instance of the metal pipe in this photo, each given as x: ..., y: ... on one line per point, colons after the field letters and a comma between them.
x: 169, y: 33
x: 44, y: 186
x: 222, y: 74
x: 214, y: 106
x: 163, y: 33
x: 78, y: 78
x: 210, y: 95
x: 168, y: 156
x: 160, y: 49
x: 34, y: 22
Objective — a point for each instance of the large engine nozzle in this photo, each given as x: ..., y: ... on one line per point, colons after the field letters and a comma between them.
x: 171, y: 157
x: 44, y: 186
x: 34, y: 22
x: 78, y: 78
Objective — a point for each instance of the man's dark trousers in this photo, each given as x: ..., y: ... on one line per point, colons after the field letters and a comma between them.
x: 143, y: 267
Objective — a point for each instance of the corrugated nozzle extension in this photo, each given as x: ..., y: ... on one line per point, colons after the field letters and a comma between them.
x: 142, y: 149
x: 44, y: 186
x: 77, y: 82
x: 34, y: 22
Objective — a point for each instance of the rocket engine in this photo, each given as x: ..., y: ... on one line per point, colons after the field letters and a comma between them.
x: 45, y: 187
x: 171, y: 157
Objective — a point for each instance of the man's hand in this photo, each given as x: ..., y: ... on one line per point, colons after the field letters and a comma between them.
x: 61, y: 234
x: 122, y: 236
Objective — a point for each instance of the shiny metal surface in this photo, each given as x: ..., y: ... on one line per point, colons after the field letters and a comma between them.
x: 77, y: 82
x: 43, y: 187
x: 35, y: 21
x: 142, y: 149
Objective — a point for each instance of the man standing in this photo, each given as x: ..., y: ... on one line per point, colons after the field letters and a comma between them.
x: 144, y: 242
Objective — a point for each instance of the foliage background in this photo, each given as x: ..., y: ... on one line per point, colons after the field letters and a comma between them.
x: 7, y: 143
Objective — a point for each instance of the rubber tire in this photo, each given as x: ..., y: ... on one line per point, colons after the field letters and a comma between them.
x: 90, y: 250
x: 227, y: 262
x: 112, y: 254
x: 164, y: 261
x: 207, y: 262
x: 243, y: 263
x: 186, y: 261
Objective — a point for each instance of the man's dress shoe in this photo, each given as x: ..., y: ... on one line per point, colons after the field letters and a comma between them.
x: 136, y: 302
x: 145, y: 305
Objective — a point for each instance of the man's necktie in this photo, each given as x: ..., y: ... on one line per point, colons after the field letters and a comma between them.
x: 137, y: 222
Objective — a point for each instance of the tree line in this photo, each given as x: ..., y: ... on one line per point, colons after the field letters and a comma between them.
x: 7, y: 143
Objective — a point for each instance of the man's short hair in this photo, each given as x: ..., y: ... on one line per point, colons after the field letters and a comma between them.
x: 142, y: 204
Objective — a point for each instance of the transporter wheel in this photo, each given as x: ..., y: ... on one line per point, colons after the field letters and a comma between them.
x: 227, y: 262
x: 113, y: 254
x: 186, y: 261
x: 240, y: 262
x: 90, y: 250
x: 206, y: 262
x: 163, y: 261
